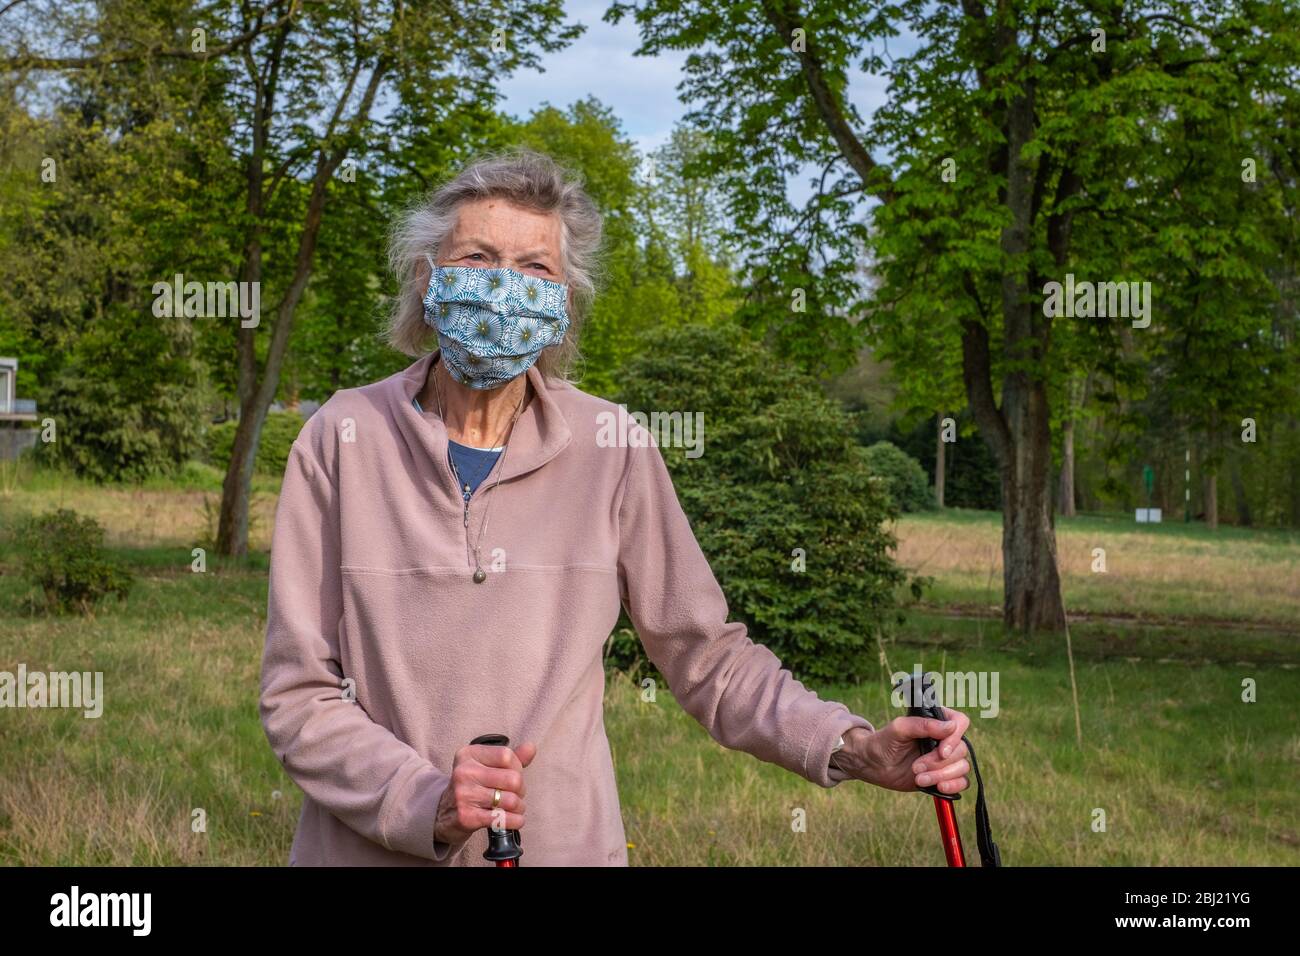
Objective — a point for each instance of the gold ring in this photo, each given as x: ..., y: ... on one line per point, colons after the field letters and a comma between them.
x: 496, y: 799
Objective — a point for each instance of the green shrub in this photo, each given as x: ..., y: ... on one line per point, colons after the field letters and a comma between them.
x: 972, y: 478
x: 780, y: 476
x: 278, y: 435
x: 62, y: 554
x: 904, y: 479
x: 126, y: 396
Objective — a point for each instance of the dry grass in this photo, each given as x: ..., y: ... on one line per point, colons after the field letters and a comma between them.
x: 1172, y: 572
x: 141, y: 517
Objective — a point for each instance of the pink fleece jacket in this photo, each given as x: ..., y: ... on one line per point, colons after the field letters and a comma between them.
x: 383, y: 656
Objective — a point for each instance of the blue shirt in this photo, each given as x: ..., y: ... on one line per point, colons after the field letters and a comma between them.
x: 470, y: 463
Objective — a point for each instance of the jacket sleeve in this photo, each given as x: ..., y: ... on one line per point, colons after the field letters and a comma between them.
x: 356, y: 769
x: 735, y: 688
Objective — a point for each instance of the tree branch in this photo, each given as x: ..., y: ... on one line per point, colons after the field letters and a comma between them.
x: 28, y: 61
x: 874, y: 178
x: 977, y: 376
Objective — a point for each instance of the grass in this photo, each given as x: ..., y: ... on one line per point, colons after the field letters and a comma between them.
x: 1169, y: 571
x: 1185, y: 772
x: 154, y: 513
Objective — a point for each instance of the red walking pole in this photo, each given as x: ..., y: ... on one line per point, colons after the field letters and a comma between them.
x: 921, y: 701
x: 948, y: 831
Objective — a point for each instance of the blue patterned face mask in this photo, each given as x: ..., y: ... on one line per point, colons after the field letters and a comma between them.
x: 493, y: 323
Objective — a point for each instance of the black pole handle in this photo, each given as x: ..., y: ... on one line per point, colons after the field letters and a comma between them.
x: 505, y: 847
x: 917, y: 696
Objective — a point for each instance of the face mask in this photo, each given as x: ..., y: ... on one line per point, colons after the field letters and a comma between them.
x: 493, y: 323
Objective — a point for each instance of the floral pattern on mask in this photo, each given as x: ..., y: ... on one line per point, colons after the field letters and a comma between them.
x: 492, y: 324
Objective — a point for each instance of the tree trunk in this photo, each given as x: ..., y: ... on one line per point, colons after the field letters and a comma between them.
x: 1031, y: 584
x: 939, y: 464
x: 1294, y: 491
x: 237, y: 489
x: 1212, y: 501
x: 1067, y: 469
x: 1239, y: 494
x: 256, y: 386
x: 1076, y: 396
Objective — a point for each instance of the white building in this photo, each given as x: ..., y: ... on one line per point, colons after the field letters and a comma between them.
x: 16, y: 414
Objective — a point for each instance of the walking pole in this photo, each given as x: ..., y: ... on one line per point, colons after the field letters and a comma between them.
x: 504, y: 846
x: 922, y: 703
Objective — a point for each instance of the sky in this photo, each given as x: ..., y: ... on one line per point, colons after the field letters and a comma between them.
x: 641, y: 90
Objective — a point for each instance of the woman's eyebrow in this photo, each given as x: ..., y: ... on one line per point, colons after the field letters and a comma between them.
x: 475, y: 243
x: 540, y: 255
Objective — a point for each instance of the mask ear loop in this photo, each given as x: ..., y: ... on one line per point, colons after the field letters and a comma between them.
x: 433, y: 268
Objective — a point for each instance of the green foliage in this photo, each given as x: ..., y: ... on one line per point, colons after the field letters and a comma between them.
x: 1018, y: 151
x: 278, y: 434
x: 663, y: 262
x: 904, y: 480
x: 781, y: 478
x: 125, y: 402
x: 971, y: 476
x: 62, y: 554
x: 79, y: 254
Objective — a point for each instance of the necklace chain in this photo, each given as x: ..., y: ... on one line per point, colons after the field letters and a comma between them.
x: 479, y: 574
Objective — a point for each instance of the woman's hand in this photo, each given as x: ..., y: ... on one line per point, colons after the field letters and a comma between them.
x: 891, y: 758
x: 477, y: 771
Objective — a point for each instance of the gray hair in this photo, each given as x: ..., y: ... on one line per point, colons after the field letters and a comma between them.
x: 522, y: 176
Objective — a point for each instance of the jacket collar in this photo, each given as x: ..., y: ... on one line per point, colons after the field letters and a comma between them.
x: 540, y: 434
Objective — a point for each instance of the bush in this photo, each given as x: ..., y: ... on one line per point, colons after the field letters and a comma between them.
x: 62, y: 554
x: 126, y: 396
x: 972, y: 477
x: 904, y: 479
x: 781, y: 480
x: 278, y: 436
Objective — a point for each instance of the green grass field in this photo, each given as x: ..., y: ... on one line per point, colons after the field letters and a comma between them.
x: 1185, y: 772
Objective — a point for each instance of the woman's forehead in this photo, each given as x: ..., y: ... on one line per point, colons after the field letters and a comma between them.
x: 507, y: 227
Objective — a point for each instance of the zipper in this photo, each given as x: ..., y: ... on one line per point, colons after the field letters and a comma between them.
x: 445, y: 467
x: 469, y: 547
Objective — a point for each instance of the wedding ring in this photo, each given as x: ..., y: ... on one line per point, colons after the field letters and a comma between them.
x: 496, y: 799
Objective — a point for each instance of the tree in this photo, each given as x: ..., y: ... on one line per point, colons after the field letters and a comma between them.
x: 302, y: 88
x: 98, y: 171
x: 688, y: 208
x: 1008, y: 128
x: 664, y: 263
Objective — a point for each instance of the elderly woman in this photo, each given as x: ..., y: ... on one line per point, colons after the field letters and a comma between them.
x: 451, y: 550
